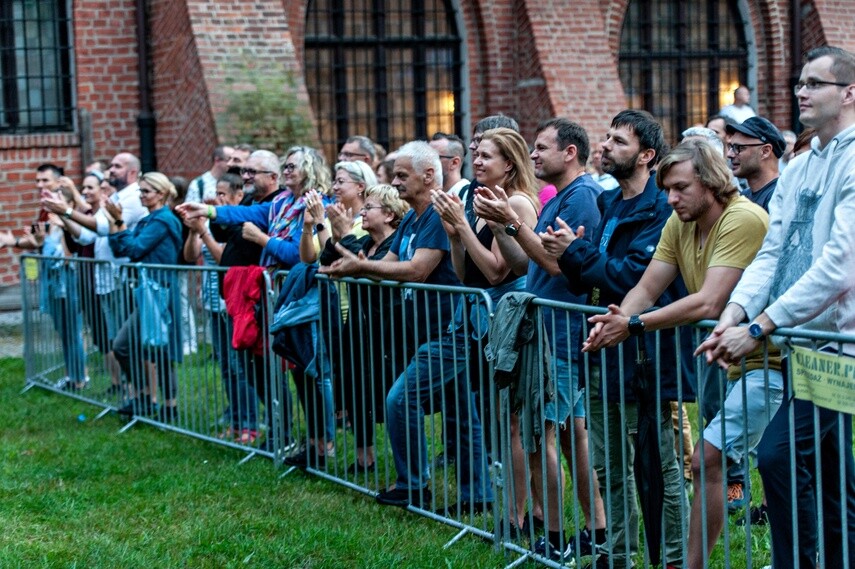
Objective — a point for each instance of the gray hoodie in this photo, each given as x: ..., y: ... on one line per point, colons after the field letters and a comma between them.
x: 804, y: 274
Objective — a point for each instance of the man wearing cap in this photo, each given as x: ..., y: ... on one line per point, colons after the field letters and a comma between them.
x: 754, y: 149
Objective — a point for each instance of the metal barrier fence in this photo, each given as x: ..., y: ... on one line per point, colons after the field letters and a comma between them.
x: 88, y: 337
x: 390, y: 385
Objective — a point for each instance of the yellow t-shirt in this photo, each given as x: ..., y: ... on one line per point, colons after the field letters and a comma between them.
x: 732, y: 242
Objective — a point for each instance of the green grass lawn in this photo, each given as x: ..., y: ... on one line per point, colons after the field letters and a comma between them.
x: 78, y: 494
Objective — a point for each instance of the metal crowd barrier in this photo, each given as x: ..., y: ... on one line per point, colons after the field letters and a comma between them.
x: 369, y: 338
x: 465, y: 451
x: 74, y: 308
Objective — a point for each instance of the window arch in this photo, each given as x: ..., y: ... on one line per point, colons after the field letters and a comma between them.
x: 682, y: 60
x: 388, y: 69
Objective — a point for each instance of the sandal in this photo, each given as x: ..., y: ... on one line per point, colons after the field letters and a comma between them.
x: 246, y: 437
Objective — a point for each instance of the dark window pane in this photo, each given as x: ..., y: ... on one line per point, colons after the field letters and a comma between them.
x: 35, y: 66
x: 387, y: 69
x: 682, y: 60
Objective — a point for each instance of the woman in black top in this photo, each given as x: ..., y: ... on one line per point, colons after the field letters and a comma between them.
x: 370, y: 348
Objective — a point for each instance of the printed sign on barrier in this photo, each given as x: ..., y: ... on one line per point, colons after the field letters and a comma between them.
x: 828, y: 380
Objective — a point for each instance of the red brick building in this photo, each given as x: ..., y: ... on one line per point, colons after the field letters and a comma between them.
x: 84, y: 79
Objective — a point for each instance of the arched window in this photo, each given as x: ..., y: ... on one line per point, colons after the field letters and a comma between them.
x: 682, y: 60
x: 388, y: 69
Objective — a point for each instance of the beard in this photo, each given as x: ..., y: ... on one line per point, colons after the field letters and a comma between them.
x: 621, y: 170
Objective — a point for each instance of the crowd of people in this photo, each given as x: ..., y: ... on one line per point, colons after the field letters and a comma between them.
x: 739, y: 222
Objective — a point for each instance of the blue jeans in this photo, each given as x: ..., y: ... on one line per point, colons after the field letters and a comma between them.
x: 68, y: 322
x: 241, y: 396
x: 437, y: 364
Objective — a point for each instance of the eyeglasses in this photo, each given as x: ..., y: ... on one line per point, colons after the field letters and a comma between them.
x: 342, y: 181
x: 289, y: 167
x: 350, y: 155
x: 253, y: 172
x: 814, y: 84
x: 370, y: 207
x: 738, y: 148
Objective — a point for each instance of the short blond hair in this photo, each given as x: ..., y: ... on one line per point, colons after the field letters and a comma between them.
x: 390, y: 199
x: 160, y: 183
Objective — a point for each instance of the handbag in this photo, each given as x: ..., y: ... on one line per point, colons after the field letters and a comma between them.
x: 153, y: 308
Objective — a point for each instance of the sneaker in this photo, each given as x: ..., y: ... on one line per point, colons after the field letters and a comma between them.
x: 62, y: 383
x: 403, y: 497
x: 140, y: 405
x: 554, y: 552
x: 735, y: 497
x: 246, y: 436
x: 759, y: 516
x: 583, y: 548
x: 306, y: 457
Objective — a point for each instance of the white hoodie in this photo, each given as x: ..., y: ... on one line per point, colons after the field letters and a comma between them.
x: 804, y: 274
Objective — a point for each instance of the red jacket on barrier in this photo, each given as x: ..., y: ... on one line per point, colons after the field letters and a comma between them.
x: 243, y: 288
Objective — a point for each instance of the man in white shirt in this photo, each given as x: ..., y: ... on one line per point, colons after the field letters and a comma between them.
x: 204, y: 188
x: 740, y: 110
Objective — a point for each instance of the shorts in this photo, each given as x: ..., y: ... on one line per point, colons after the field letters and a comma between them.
x: 568, y: 396
x: 744, y: 427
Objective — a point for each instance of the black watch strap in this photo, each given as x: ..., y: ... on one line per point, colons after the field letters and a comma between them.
x: 636, y: 325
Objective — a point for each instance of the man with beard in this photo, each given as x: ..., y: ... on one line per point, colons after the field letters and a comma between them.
x: 605, y: 269
x: 709, y: 239
x: 754, y: 149
x: 123, y: 175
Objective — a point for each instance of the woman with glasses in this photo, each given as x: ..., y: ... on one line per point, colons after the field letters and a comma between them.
x: 344, y: 216
x: 369, y: 363
x: 156, y: 239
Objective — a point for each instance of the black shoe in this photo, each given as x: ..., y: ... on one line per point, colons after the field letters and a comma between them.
x: 168, y: 414
x: 402, y: 498
x: 466, y: 508
x: 552, y: 552
x: 585, y: 547
x: 759, y: 516
x: 443, y: 460
x: 306, y: 457
x: 141, y: 406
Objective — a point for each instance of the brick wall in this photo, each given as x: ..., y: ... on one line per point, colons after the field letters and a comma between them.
x: 106, y: 84
x: 530, y: 59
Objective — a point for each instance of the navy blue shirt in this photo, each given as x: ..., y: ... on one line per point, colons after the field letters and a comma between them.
x: 576, y: 205
x: 427, y: 313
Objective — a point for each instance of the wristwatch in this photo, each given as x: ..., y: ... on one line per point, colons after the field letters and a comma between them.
x: 119, y: 222
x: 320, y: 227
x: 755, y: 330
x: 67, y: 214
x: 513, y: 228
x: 636, y: 325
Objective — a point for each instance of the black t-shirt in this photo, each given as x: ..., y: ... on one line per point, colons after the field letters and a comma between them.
x: 762, y: 196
